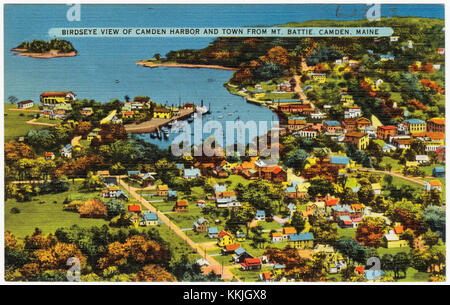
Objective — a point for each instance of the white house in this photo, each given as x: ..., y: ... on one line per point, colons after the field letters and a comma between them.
x: 433, y: 185
x: 25, y: 104
x: 317, y: 115
x: 352, y: 112
x: 307, y: 133
x: 422, y: 158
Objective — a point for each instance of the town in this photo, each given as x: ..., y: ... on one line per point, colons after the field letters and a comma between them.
x: 361, y: 175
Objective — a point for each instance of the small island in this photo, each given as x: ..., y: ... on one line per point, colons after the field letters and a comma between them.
x: 45, y: 49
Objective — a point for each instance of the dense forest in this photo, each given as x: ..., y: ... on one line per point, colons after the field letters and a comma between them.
x: 42, y: 46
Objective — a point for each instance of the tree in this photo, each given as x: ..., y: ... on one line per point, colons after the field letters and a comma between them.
x: 92, y: 182
x: 296, y: 159
x: 401, y: 263
x: 434, y: 217
x: 387, y: 262
x: 370, y: 231
x: 268, y: 71
x: 297, y: 221
x: 154, y: 273
x: 114, y: 207
x: 12, y: 99
x: 258, y: 238
x: 320, y: 186
x: 277, y: 55
x: 365, y: 193
x: 93, y: 208
x: 324, y: 230
x: 83, y: 128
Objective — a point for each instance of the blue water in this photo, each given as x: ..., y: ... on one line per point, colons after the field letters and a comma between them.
x: 101, y: 61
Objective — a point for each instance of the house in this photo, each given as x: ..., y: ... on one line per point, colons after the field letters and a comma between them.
x: 49, y: 156
x: 54, y: 98
x: 240, y: 255
x: 213, y: 232
x: 317, y: 115
x: 301, y: 240
x: 436, y: 125
x: 150, y: 219
x: 342, y: 161
x: 172, y: 195
x: 240, y: 236
x: 359, y: 139
x: 357, y: 124
x: 225, y: 239
x: 402, y: 143
x: 265, y: 277
x: 201, y: 204
x: 438, y: 172
x: 386, y: 57
x: 385, y: 132
x: 162, y: 190
x: 277, y: 237
x: 433, y: 185
x: 352, y: 112
x: 108, y: 181
x: 251, y: 264
x: 295, y: 123
x: 307, y: 133
x: 441, y: 51
x: 332, y: 126
x: 191, y: 173
x: 66, y: 151
x: 415, y: 125
x: 86, y: 111
x: 228, y: 249
x: 181, y: 206
x: 162, y: 113
x: 273, y: 173
x: 391, y: 240
x: 376, y: 188
x: 345, y: 222
x: 287, y: 231
x: 260, y: 215
x: 25, y: 104
x: 201, y: 225
x: 422, y: 159
x: 319, y: 77
x: 134, y: 208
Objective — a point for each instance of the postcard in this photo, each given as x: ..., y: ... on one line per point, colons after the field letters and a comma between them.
x: 291, y: 143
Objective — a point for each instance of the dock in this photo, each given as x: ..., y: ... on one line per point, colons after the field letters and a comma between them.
x: 156, y: 123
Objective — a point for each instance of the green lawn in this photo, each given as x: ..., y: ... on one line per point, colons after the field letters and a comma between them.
x: 349, y: 233
x: 15, y: 122
x: 234, y: 179
x: 392, y: 162
x: 393, y: 251
x: 249, y: 276
x: 47, y: 216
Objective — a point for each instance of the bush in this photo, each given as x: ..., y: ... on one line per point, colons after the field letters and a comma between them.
x: 15, y: 210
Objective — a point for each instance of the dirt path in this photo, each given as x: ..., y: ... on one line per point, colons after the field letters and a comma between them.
x: 396, y: 175
x: 227, y: 274
x: 33, y: 122
x: 298, y: 89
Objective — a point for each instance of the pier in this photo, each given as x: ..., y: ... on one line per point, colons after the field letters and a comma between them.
x: 156, y: 123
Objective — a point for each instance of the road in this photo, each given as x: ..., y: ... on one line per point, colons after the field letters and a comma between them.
x: 227, y: 274
x: 298, y: 89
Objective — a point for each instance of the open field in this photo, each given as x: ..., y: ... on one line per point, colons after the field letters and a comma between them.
x: 15, y: 122
x: 48, y: 215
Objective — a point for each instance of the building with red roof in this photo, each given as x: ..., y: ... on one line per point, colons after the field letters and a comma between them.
x: 251, y: 264
x: 134, y: 208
